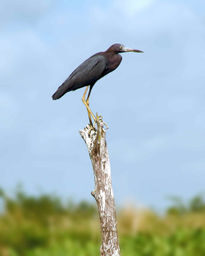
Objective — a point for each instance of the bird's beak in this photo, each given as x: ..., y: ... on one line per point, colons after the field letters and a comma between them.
x: 125, y: 49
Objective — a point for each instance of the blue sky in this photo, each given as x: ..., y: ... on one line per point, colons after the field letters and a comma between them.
x: 154, y: 103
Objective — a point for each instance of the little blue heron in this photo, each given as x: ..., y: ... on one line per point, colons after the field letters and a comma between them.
x: 91, y: 70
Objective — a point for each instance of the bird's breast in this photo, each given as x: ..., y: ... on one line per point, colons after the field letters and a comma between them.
x: 113, y: 62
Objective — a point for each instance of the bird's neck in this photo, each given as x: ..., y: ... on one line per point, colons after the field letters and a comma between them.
x: 114, y: 60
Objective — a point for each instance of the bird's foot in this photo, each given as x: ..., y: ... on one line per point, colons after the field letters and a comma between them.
x: 99, y: 121
x: 96, y: 121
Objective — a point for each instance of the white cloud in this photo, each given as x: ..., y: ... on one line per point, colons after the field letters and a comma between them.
x: 132, y: 7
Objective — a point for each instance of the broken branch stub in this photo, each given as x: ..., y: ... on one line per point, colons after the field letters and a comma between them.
x: 95, y: 140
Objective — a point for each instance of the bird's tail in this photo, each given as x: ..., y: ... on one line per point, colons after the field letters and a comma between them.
x: 60, y: 92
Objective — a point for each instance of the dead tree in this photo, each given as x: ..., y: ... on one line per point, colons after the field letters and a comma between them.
x: 95, y: 139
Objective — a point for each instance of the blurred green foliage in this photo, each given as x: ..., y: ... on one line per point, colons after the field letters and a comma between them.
x: 46, y: 226
x: 195, y: 204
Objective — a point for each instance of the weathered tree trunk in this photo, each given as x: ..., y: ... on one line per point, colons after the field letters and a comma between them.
x: 103, y: 193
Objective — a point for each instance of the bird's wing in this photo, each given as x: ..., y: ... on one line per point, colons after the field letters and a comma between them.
x: 86, y: 74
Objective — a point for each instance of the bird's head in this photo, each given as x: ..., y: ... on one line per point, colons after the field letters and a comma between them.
x: 120, y: 48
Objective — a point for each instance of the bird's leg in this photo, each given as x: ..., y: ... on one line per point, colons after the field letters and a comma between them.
x: 88, y: 108
x: 86, y: 103
x: 83, y: 99
x: 89, y: 116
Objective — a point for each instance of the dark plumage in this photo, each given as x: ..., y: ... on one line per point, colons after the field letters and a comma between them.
x: 85, y: 74
x: 93, y: 69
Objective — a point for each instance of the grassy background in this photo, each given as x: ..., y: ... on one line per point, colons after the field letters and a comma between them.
x: 45, y: 226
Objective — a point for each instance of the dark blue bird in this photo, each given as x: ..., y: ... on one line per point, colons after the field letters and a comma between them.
x: 91, y: 70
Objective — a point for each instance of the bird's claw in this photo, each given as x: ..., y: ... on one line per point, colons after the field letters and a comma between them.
x: 99, y: 120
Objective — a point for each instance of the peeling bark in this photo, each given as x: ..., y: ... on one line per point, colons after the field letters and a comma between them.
x: 95, y: 140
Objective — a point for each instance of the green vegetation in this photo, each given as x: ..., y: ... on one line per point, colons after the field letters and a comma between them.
x: 45, y: 226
